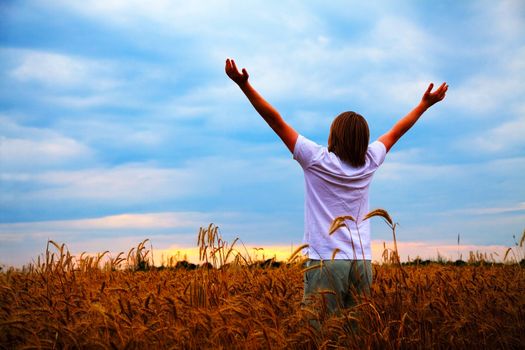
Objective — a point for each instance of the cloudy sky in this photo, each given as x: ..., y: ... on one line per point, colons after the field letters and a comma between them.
x: 117, y: 122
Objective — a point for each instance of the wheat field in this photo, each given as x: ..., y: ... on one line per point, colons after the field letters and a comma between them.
x: 231, y: 302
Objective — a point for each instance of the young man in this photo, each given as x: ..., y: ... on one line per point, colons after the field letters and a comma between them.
x: 337, y: 180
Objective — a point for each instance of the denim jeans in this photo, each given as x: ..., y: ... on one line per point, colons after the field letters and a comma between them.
x: 340, y: 282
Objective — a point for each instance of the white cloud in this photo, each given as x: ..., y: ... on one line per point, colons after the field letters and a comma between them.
x: 518, y: 207
x: 305, y: 121
x: 58, y: 149
x: 209, y: 18
x: 505, y: 18
x: 142, y: 183
x: 124, y: 222
x: 488, y: 94
x: 104, y: 134
x: 309, y: 63
x: 327, y: 69
x: 81, y: 101
x: 400, y: 168
x: 58, y: 70
x: 127, y: 183
x: 398, y: 171
x: 24, y: 147
x: 503, y: 138
x: 497, y: 51
x: 79, y: 82
x: 410, y: 155
x: 397, y: 37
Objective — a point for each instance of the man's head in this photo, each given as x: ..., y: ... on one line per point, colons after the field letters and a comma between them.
x: 349, y: 137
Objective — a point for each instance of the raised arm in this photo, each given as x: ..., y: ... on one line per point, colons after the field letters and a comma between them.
x: 266, y: 110
x: 405, y: 123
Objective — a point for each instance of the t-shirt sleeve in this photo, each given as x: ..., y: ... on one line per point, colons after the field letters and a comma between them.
x: 377, y: 152
x: 305, y: 151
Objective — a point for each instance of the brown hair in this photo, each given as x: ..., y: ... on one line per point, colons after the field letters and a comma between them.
x: 349, y: 137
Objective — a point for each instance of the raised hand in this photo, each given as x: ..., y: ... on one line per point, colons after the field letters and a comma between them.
x: 234, y: 74
x: 429, y: 98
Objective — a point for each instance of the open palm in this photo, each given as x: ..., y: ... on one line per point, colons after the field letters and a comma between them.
x: 234, y: 74
x: 429, y: 98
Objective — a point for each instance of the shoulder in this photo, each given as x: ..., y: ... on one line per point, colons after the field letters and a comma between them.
x: 376, y: 152
x: 307, y: 151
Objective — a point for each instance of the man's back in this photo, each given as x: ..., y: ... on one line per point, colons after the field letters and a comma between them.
x: 335, y: 188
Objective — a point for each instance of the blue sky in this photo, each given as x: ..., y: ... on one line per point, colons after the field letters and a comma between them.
x: 119, y: 124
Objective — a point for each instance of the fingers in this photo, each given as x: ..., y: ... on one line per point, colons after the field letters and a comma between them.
x: 233, y: 72
x: 442, y: 90
x: 429, y: 88
x: 440, y: 93
x: 231, y: 68
x: 443, y: 87
x: 234, y: 66
x: 228, y: 67
x: 431, y: 97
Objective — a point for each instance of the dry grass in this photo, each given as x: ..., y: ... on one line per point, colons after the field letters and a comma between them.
x: 64, y: 302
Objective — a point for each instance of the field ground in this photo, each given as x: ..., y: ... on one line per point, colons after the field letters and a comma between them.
x: 65, y: 302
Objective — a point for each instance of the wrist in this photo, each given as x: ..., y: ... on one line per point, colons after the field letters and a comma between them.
x: 424, y: 105
x: 243, y: 85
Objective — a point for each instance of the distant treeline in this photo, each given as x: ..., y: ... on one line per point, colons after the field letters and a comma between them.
x: 272, y: 263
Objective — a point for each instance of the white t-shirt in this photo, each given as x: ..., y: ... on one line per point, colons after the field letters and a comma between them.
x: 335, y: 188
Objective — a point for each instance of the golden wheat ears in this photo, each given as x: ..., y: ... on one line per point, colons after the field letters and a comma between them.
x: 340, y: 221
